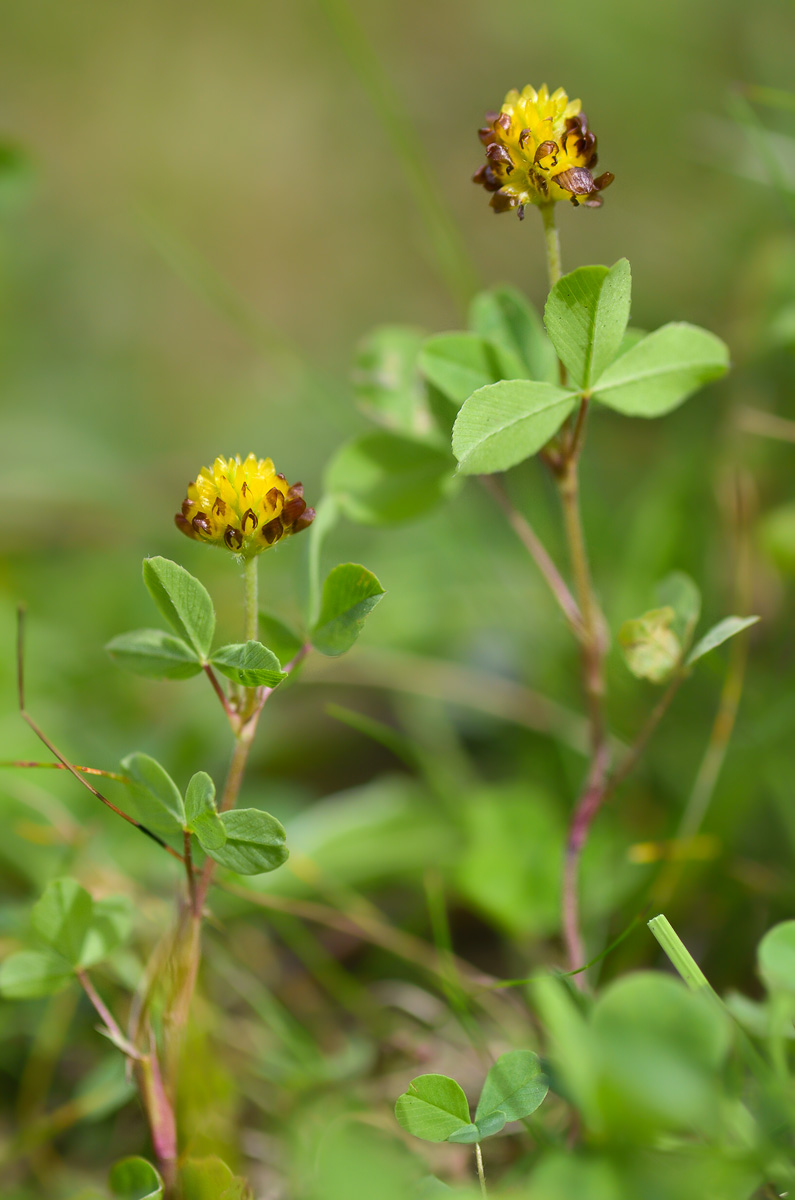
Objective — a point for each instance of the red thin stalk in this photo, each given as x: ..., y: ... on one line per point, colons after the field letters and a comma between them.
x: 65, y: 763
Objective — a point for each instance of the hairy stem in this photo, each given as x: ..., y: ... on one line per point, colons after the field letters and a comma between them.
x: 552, y: 241
x: 481, y: 1173
x: 250, y: 604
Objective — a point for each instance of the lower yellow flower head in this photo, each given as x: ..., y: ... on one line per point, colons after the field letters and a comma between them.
x: 245, y: 506
x: 540, y: 150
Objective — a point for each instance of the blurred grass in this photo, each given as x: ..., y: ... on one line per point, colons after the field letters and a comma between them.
x: 216, y: 214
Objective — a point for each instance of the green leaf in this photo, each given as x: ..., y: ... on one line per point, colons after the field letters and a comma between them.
x: 679, y: 592
x: 660, y: 1049
x: 776, y: 956
x: 718, y: 634
x: 157, y: 798
x: 249, y: 663
x: 62, y: 916
x: 201, y: 816
x: 284, y: 641
x: 662, y: 370
x: 135, y: 1179
x: 183, y: 601
x: 651, y: 648
x: 504, y: 423
x: 504, y: 317
x: 199, y: 797
x: 387, y: 383
x: 459, y: 363
x: 382, y: 479
x: 515, y: 1086
x: 155, y: 654
x: 255, y: 842
x: 206, y: 1179
x: 433, y: 1108
x: 349, y: 594
x: 111, y: 923
x: 586, y: 315
x: 33, y: 973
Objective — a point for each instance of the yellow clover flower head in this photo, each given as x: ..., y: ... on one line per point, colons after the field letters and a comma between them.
x: 540, y: 150
x: 245, y: 506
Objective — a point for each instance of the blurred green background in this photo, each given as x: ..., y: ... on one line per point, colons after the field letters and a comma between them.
x: 214, y: 207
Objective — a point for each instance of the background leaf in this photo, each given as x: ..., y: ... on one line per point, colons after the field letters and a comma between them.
x: 135, y: 1179
x: 586, y: 315
x: 62, y: 916
x: 718, y: 634
x: 282, y: 639
x: 255, y: 842
x: 250, y: 664
x: 679, y: 592
x: 504, y: 423
x: 459, y: 363
x: 387, y: 382
x: 183, y: 601
x: 155, y: 654
x: 111, y: 923
x: 651, y: 648
x: 662, y: 370
x: 776, y: 957
x: 383, y: 479
x: 33, y: 973
x: 504, y: 317
x: 349, y: 594
x: 434, y: 1107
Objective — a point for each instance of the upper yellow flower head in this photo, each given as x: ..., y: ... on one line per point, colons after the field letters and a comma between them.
x: 245, y: 506
x: 540, y: 150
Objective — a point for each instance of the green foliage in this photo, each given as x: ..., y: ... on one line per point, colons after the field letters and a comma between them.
x: 514, y: 1088
x: 183, y: 601
x: 586, y: 316
x: 282, y: 639
x: 678, y: 592
x: 661, y: 371
x: 505, y: 420
x: 350, y: 593
x: 503, y: 316
x: 776, y: 955
x: 387, y: 382
x: 255, y: 842
x: 651, y: 648
x: 383, y: 479
x: 154, y: 654
x: 61, y: 918
x: 211, y: 1179
x: 77, y: 931
x: 158, y: 800
x: 250, y: 664
x: 500, y: 425
x: 33, y: 973
x: 729, y: 627
x: 201, y: 816
x: 460, y: 363
x: 776, y: 533
x: 435, y: 1107
x: 135, y: 1179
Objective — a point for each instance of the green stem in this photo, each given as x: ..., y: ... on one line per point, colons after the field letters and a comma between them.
x: 481, y: 1175
x: 251, y: 605
x: 552, y: 240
